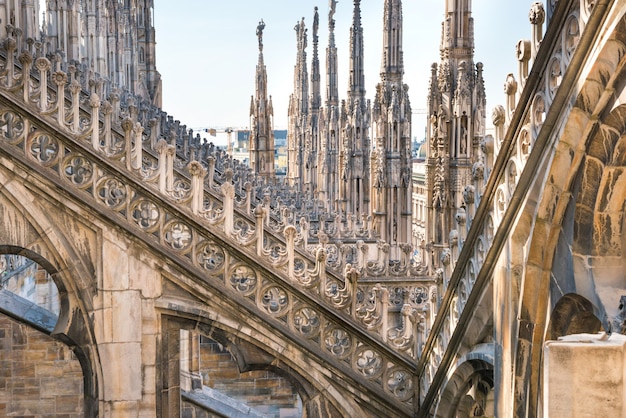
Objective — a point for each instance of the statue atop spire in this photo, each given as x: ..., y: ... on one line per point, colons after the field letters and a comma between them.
x: 332, y: 5
x: 259, y: 34
x: 316, y: 25
x: 261, y: 119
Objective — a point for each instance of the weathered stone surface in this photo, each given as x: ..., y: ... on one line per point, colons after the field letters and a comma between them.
x: 121, y: 367
x: 126, y: 316
x: 33, y: 382
x: 584, y: 376
x: 142, y: 276
x: 115, y: 271
x: 121, y: 409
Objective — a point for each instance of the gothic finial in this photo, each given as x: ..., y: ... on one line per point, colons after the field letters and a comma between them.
x: 537, y: 14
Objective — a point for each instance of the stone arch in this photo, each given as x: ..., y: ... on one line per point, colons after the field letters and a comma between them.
x: 219, y: 371
x: 572, y: 314
x: 253, y: 350
x: 56, y: 328
x: 26, y: 229
x: 597, y: 242
x: 469, y: 387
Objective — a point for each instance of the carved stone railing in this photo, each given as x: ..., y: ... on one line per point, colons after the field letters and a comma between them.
x: 52, y: 120
x: 489, y: 200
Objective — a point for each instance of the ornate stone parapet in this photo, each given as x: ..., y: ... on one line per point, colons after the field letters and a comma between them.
x: 323, y: 323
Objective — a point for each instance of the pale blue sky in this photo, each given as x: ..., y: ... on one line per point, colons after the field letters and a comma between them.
x: 207, y: 52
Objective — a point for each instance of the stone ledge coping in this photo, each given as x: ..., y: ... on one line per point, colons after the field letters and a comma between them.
x: 219, y: 403
x: 601, y: 338
x: 26, y: 311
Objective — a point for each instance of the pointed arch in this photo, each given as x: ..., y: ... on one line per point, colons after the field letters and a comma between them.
x: 572, y: 314
x: 26, y: 229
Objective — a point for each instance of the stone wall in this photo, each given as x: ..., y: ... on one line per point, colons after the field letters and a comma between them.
x: 263, y: 390
x: 39, y: 377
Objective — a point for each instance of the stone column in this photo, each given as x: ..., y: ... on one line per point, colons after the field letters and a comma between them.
x: 118, y: 329
x: 168, y: 381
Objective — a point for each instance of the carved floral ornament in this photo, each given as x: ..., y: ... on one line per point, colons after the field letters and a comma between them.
x: 78, y: 170
x: 275, y: 300
x: 555, y: 74
x: 111, y: 192
x: 11, y: 126
x: 210, y: 256
x: 523, y: 50
x: 307, y: 322
x: 588, y: 6
x: 572, y: 35
x: 178, y: 235
x: 399, y: 382
x: 44, y: 148
x: 537, y: 14
x: 145, y: 213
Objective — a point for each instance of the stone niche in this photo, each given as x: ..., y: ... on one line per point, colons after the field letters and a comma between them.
x: 584, y: 376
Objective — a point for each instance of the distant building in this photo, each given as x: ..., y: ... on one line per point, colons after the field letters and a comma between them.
x: 242, y: 138
x: 419, y: 201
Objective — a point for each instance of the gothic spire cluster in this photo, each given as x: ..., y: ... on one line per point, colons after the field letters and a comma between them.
x: 114, y: 39
x: 331, y: 158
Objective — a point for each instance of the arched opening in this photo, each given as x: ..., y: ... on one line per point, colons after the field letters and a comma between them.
x: 217, y: 376
x: 573, y: 314
x: 210, y: 370
x: 28, y: 284
x: 469, y: 390
x: 41, y: 375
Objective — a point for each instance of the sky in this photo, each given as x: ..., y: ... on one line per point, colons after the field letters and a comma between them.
x: 207, y: 52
